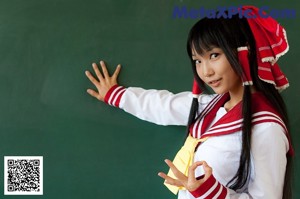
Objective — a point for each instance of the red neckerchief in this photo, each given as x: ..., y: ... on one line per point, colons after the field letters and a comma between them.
x: 232, y: 121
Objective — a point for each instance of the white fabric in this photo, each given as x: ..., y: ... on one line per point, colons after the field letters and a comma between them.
x: 222, y: 153
x: 159, y: 106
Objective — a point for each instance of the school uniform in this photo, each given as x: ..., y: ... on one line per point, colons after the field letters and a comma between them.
x: 221, y: 131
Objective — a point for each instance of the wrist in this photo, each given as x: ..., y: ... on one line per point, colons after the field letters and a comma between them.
x: 114, y: 95
x: 209, y: 189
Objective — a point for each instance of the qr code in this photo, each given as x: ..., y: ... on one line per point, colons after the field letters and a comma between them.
x: 23, y: 175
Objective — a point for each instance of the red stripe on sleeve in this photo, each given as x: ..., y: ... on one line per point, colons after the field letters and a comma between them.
x: 213, y: 191
x: 108, y: 94
x: 224, y: 192
x: 117, y: 103
x: 202, y: 189
x: 114, y: 95
x: 210, y: 188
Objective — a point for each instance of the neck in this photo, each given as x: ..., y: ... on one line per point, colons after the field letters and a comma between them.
x: 235, y: 97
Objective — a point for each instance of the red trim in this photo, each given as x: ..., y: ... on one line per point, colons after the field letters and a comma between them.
x: 114, y: 95
x: 228, y: 125
x: 208, y: 118
x: 195, y: 129
x: 223, y: 193
x: 262, y: 111
x: 117, y: 104
x: 107, y: 96
x: 202, y: 189
x: 206, y: 189
x: 207, y: 109
x: 214, y: 192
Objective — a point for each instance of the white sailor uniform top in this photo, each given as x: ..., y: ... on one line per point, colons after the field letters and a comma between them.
x: 269, y: 141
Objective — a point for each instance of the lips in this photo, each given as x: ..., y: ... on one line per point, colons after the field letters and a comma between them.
x: 214, y: 82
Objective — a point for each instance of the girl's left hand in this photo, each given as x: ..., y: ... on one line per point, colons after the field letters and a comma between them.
x: 189, y: 182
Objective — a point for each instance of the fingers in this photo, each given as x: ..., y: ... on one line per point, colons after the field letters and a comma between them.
x: 105, y: 75
x: 103, y: 81
x: 194, y: 183
x: 104, y: 70
x: 181, y: 178
x: 91, y: 78
x: 190, y: 182
x: 176, y: 172
x: 94, y: 94
x: 192, y: 168
x: 97, y: 71
x: 170, y: 180
x: 117, y: 71
x: 207, y: 170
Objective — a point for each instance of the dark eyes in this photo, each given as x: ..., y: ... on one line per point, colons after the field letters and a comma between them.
x: 212, y: 56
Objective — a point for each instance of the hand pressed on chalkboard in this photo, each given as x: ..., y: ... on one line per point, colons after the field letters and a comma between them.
x: 103, y: 82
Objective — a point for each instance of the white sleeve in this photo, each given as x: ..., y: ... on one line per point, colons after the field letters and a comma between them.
x: 269, y: 147
x: 158, y: 106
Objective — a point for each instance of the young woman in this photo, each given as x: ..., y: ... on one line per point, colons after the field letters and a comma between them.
x: 238, y: 143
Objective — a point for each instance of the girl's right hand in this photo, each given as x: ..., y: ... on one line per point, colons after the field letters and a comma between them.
x: 190, y: 182
x: 103, y: 82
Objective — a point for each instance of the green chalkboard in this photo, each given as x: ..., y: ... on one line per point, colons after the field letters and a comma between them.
x: 91, y: 150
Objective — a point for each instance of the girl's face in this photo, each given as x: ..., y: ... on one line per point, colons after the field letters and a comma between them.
x: 215, y: 70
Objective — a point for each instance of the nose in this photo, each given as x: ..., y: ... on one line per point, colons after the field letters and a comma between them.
x: 207, y: 70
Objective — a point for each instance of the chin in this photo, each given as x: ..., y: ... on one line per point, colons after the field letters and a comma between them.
x: 220, y: 91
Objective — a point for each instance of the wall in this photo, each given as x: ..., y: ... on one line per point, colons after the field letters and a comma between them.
x: 92, y: 150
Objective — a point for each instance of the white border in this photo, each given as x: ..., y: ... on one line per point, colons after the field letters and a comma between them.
x: 23, y: 192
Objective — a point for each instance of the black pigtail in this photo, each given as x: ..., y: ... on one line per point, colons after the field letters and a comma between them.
x: 193, y: 113
x: 243, y: 173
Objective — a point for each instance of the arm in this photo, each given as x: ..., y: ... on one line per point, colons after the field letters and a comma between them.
x: 157, y: 106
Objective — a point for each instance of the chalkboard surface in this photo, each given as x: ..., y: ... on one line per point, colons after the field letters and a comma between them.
x: 91, y: 150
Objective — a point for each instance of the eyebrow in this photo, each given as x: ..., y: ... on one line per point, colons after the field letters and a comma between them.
x: 208, y: 50
x: 193, y: 55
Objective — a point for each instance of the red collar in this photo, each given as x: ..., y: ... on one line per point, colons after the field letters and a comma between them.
x: 232, y: 121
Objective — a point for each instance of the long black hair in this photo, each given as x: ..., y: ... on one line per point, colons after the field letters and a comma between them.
x: 229, y: 34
